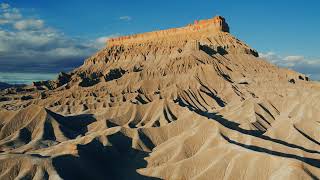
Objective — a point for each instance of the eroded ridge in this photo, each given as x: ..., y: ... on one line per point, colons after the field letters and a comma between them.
x: 191, y: 31
x: 186, y: 103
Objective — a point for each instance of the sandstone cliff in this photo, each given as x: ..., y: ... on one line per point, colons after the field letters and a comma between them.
x: 192, y: 31
x: 187, y: 103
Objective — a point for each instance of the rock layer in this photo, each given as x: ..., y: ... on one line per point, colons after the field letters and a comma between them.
x: 192, y: 31
x: 200, y: 105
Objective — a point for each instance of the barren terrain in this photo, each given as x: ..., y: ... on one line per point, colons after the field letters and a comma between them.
x: 187, y: 103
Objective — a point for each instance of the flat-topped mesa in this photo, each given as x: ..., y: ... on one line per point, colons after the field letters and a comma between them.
x: 191, y: 31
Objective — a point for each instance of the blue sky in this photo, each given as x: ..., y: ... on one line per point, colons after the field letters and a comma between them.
x: 38, y: 36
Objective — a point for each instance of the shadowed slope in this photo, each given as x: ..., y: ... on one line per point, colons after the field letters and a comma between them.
x: 187, y: 103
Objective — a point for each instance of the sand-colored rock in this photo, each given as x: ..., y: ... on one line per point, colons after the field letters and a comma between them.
x: 192, y: 31
x: 186, y: 103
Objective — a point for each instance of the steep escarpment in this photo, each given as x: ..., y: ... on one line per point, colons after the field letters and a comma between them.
x: 191, y: 31
x: 186, y: 103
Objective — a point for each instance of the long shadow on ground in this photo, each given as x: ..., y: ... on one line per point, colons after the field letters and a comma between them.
x: 310, y: 161
x: 99, y: 162
x: 255, y: 133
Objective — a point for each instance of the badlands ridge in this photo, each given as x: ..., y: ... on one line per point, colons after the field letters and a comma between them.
x: 186, y: 103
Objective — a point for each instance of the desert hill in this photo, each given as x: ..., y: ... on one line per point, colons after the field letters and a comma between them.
x: 4, y: 85
x: 187, y: 103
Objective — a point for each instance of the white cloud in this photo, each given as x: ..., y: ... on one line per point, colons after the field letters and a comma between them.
x: 9, y: 15
x: 30, y: 24
x: 28, y: 44
x: 36, y: 51
x: 294, y: 58
x: 4, y: 21
x: 102, y: 41
x: 48, y: 44
x: 4, y: 6
x: 125, y: 18
x: 12, y: 15
x: 67, y: 52
x: 308, y: 66
x: 268, y: 55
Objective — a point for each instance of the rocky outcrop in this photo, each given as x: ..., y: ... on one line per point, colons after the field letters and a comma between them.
x: 191, y: 31
x: 62, y: 79
x: 209, y: 36
x: 191, y: 103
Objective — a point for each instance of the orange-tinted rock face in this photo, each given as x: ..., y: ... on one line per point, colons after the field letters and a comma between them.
x: 216, y: 24
x: 219, y: 22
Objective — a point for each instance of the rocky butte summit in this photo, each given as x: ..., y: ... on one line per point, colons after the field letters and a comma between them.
x: 190, y: 32
x: 192, y: 102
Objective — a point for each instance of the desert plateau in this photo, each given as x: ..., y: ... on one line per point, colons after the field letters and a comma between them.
x: 193, y: 102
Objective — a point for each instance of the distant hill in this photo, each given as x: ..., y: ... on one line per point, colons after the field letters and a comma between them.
x: 186, y: 103
x: 6, y: 85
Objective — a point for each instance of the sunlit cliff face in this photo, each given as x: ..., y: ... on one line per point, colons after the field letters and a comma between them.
x: 216, y: 24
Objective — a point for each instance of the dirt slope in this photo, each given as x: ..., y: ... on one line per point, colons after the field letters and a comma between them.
x: 186, y: 103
